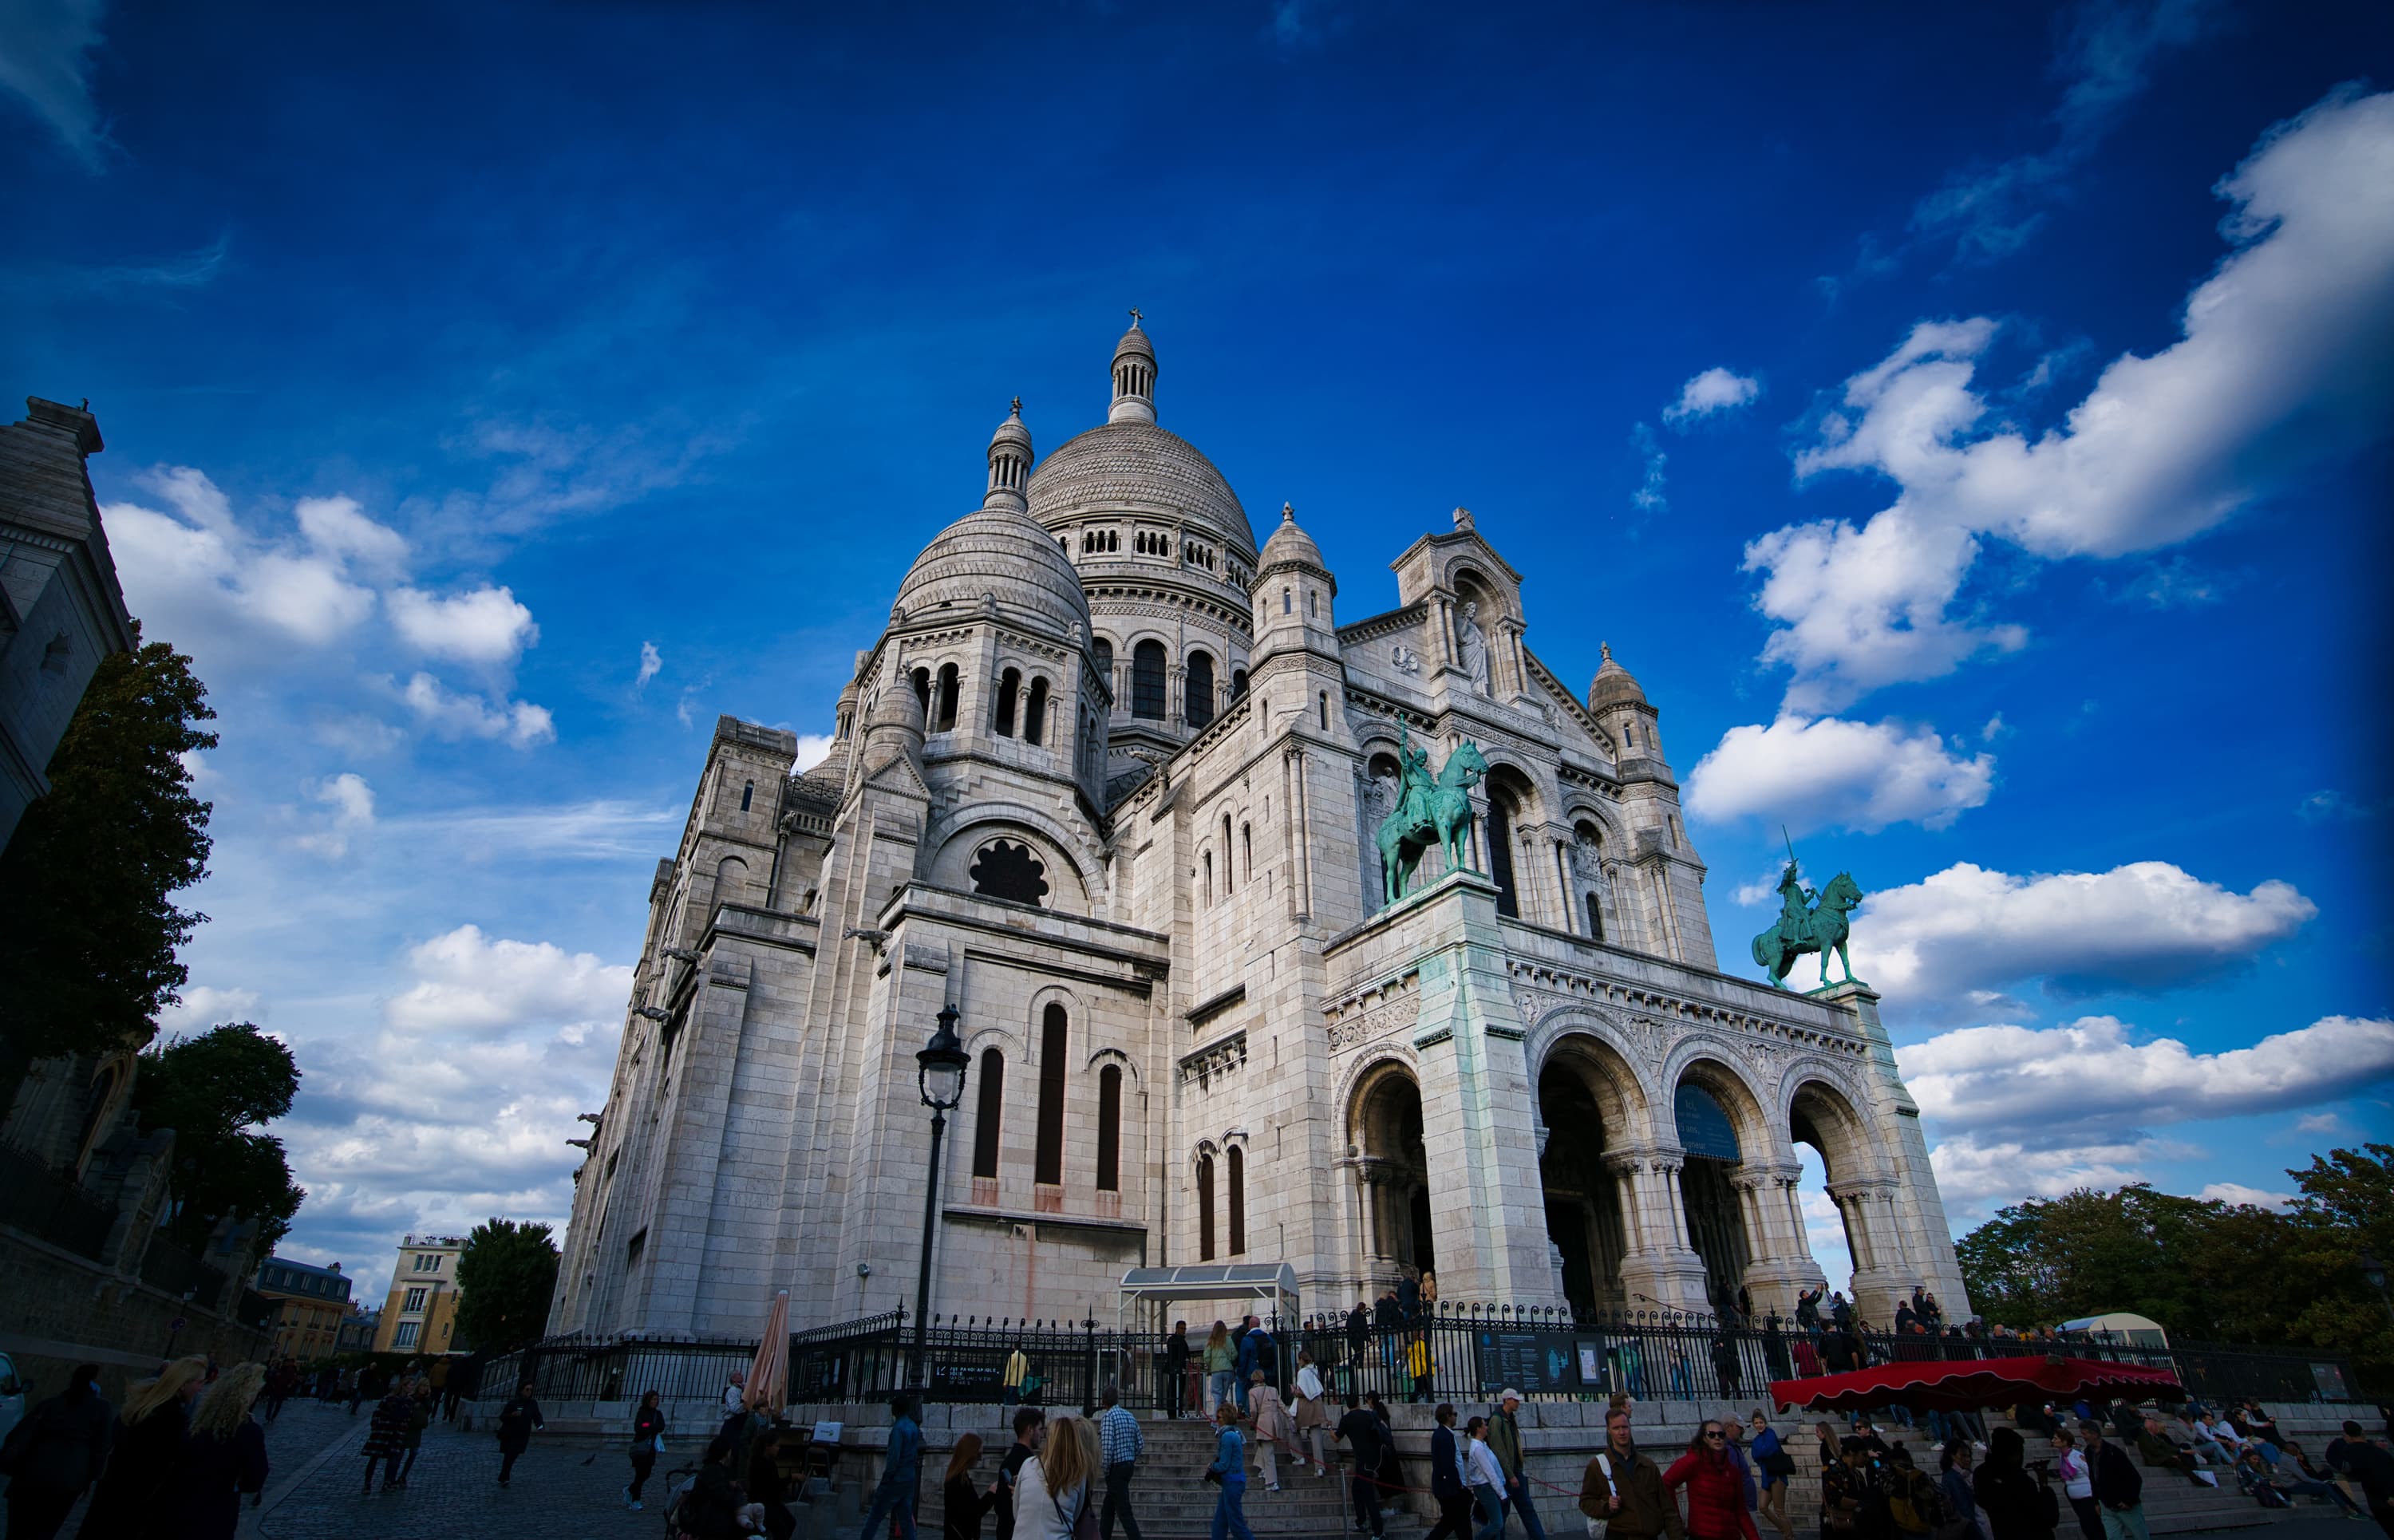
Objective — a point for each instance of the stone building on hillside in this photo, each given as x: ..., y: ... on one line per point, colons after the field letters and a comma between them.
x: 1109, y: 782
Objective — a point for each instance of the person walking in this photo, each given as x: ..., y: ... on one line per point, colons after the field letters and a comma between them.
x: 1359, y: 1337
x: 1772, y: 1466
x: 2077, y: 1484
x: 1310, y: 1416
x: 517, y: 1420
x: 648, y: 1442
x: 901, y: 1472
x: 1017, y: 1369
x: 1449, y: 1478
x: 961, y: 1503
x: 1120, y: 1443
x: 1176, y: 1368
x: 1418, y: 1364
x: 1251, y: 1341
x: 2014, y: 1505
x: 1504, y: 1437
x: 2119, y: 1486
x: 419, y: 1415
x: 57, y: 1450
x: 1622, y: 1487
x: 386, y: 1439
x: 1221, y: 1367
x: 135, y: 1494
x: 1717, y: 1508
x: 1271, y: 1425
x: 1361, y: 1431
x: 1029, y: 1424
x: 225, y: 1459
x: 1057, y: 1485
x: 1487, y: 1482
x: 1229, y: 1472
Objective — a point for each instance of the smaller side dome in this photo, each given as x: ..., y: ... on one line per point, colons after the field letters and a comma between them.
x: 1613, y: 686
x: 1009, y: 463
x: 1134, y: 376
x: 1290, y: 545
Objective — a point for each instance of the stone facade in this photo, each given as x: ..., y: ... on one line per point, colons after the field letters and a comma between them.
x: 420, y: 1314
x: 1109, y: 782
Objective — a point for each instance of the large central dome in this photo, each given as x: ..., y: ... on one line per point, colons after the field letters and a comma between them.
x: 1137, y: 467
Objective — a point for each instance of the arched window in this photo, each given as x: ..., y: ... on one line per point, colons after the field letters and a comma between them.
x: 1047, y: 1164
x: 1287, y: 601
x: 1227, y: 885
x: 1035, y: 714
x: 1313, y: 602
x: 1595, y: 920
x: 947, y: 717
x: 922, y: 678
x: 1325, y: 711
x: 1500, y: 855
x: 1238, y: 684
x: 747, y: 794
x: 1010, y: 684
x: 987, y: 1112
x: 1238, y: 1201
x: 1105, y: 650
x: 1110, y: 1128
x: 1246, y: 852
x: 1147, y: 681
x: 1199, y: 707
x: 1209, y: 877
x: 1205, y: 1209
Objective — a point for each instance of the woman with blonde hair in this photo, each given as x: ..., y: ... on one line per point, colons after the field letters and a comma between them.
x: 1054, y: 1485
x: 138, y: 1493
x: 1312, y: 1416
x: 225, y: 1458
x: 1221, y: 1367
x: 1272, y: 1428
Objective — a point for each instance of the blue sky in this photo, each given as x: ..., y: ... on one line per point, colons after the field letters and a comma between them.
x: 1972, y: 430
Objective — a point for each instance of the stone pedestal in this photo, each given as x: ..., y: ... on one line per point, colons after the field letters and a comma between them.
x: 1487, y: 1213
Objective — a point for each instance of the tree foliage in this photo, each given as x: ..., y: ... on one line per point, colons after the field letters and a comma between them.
x: 214, y: 1091
x: 88, y: 931
x: 2204, y: 1269
x: 505, y: 1277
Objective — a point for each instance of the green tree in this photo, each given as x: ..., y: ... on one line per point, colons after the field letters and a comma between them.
x: 505, y: 1277
x: 88, y: 931
x: 214, y: 1091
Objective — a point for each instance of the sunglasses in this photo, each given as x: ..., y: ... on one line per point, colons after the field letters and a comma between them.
x: 1715, y: 1433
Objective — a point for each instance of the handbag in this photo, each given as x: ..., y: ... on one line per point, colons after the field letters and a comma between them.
x: 1597, y: 1527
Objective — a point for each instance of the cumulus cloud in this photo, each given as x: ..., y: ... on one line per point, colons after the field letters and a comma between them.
x: 1829, y: 772
x: 2090, y: 1082
x: 204, y: 1007
x: 448, y: 714
x: 2319, y: 1123
x: 1715, y: 390
x: 2237, y: 1193
x: 2146, y: 925
x: 484, y: 626
x: 202, y: 580
x: 337, y: 527
x: 45, y: 58
x: 813, y: 748
x: 352, y: 800
x: 1975, y: 1176
x: 2287, y: 354
x: 652, y: 661
x: 468, y: 983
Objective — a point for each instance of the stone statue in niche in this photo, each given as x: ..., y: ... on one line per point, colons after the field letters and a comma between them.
x: 1403, y: 659
x: 1471, y: 647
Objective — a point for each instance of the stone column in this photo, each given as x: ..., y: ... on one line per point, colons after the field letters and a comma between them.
x: 1659, y: 1268
x: 1919, y: 1247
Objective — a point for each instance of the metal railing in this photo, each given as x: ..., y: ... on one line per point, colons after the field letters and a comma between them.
x: 42, y: 1203
x: 1457, y: 1353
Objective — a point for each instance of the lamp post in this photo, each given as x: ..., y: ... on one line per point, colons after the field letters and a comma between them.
x: 2373, y: 1272
x: 944, y: 1062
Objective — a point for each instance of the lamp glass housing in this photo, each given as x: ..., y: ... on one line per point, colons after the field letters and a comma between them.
x: 944, y: 1062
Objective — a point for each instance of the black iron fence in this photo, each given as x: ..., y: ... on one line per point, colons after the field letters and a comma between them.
x: 43, y: 1204
x: 1461, y: 1353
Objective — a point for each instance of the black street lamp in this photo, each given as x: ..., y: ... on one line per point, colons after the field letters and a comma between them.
x: 2373, y: 1272
x: 943, y: 1060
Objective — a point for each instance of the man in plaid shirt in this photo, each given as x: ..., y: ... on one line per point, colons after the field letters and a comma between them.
x: 1120, y: 1443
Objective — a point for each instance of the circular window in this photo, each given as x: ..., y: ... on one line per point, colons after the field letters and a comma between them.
x: 1007, y: 870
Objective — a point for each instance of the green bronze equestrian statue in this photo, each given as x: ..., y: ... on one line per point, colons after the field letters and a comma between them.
x: 1429, y: 812
x: 1800, y: 929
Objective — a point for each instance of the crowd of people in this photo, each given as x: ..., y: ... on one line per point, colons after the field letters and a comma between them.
x: 177, y: 1459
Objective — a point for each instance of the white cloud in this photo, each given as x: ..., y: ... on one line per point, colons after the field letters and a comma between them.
x: 586, y: 831
x: 485, y: 625
x: 1715, y: 390
x: 469, y: 983
x: 352, y: 802
x: 1650, y: 497
x: 45, y: 48
x: 450, y: 714
x: 1830, y: 772
x: 337, y: 527
x: 2088, y: 1083
x: 2284, y: 358
x: 813, y: 748
x: 1976, y: 1177
x: 206, y: 1007
x: 650, y: 662
x: 2319, y: 1123
x: 220, y: 590
x: 2237, y: 1193
x: 2147, y: 925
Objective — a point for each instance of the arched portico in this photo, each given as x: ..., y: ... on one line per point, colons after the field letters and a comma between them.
x: 1592, y: 1108
x: 1821, y: 1114
x: 1391, y: 1168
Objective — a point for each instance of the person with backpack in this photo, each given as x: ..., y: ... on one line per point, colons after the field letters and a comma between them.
x: 2014, y: 1505
x: 1622, y: 1487
x: 648, y: 1442
x: 386, y: 1439
x: 1717, y: 1508
x: 59, y: 1449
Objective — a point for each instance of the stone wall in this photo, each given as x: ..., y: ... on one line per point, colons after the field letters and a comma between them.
x: 64, y: 1310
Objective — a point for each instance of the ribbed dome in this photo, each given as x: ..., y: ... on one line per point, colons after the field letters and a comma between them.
x: 999, y: 552
x: 1118, y: 466
x: 1135, y: 341
x: 1290, y: 544
x: 1613, y: 686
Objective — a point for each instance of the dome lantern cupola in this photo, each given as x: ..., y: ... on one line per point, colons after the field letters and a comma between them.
x: 1134, y: 376
x: 1009, y: 463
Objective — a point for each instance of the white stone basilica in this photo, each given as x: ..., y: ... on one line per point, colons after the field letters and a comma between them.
x: 1107, y: 782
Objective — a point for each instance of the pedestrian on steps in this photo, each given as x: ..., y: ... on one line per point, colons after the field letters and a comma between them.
x: 1715, y: 1496
x: 1057, y: 1484
x: 1449, y: 1478
x: 225, y: 1459
x: 1120, y: 1443
x: 902, y: 1470
x: 1772, y: 1466
x: 1312, y: 1414
x: 1230, y: 1468
x: 1272, y: 1427
x: 648, y: 1442
x: 1623, y: 1487
x: 961, y: 1503
x: 1486, y: 1483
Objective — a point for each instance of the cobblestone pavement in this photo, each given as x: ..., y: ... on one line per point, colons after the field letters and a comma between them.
x: 453, y: 1493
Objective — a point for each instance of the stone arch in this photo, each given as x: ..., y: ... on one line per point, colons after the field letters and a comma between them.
x: 1070, y: 878
x: 1819, y: 1111
x: 1718, y: 1224
x: 1592, y: 1105
x: 730, y: 880
x: 1472, y: 583
x: 1513, y: 805
x: 1392, y: 1166
x: 1587, y: 1040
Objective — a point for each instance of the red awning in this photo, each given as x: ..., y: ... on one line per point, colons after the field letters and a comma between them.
x: 1958, y: 1385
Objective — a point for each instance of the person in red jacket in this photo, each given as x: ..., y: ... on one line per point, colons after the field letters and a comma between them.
x: 1715, y: 1496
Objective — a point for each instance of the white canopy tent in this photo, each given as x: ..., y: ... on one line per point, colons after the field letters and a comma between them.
x: 1268, y: 1287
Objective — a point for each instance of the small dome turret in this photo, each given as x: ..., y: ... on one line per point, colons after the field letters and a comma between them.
x: 1292, y: 546
x: 1009, y: 463
x: 1613, y: 686
x: 1133, y: 378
